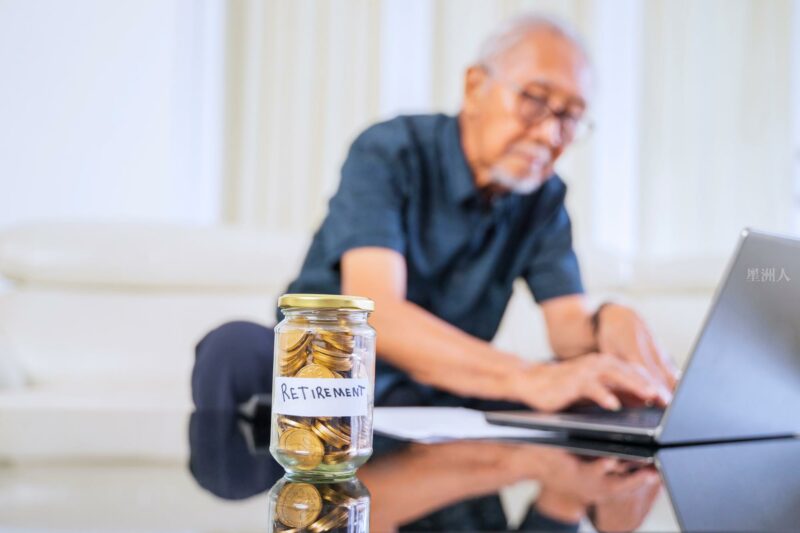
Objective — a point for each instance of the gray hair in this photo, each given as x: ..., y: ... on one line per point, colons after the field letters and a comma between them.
x: 514, y: 30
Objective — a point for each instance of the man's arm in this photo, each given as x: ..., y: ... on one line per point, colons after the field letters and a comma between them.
x: 569, y: 326
x: 620, y: 331
x: 436, y: 353
x: 426, y: 347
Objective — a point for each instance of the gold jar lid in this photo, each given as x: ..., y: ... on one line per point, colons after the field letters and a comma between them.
x: 326, y: 301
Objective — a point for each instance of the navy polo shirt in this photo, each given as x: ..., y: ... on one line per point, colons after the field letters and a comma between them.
x: 406, y: 186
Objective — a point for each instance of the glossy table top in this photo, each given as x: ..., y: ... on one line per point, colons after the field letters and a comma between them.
x: 448, y: 486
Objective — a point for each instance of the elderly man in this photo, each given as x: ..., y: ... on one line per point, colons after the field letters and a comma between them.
x: 434, y: 219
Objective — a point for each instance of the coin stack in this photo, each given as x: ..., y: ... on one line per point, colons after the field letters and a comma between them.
x: 322, y: 354
x: 325, y: 354
x: 316, y: 508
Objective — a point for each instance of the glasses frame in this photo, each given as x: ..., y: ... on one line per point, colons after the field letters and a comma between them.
x: 583, y: 125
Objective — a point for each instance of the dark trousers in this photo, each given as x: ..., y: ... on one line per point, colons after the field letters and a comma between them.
x: 234, y: 361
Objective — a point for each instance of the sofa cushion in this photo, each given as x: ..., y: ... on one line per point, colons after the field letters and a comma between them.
x: 11, y: 372
x: 66, y: 335
x: 151, y: 255
x: 102, y: 420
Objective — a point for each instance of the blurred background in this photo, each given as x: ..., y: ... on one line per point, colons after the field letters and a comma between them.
x: 164, y: 163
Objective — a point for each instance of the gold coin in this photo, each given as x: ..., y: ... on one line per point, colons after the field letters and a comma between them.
x: 333, y: 458
x: 327, y: 349
x: 333, y: 363
x: 335, y: 495
x: 338, y: 367
x: 291, y: 341
x: 289, y: 371
x: 293, y: 356
x: 315, y: 352
x: 288, y: 422
x: 299, y: 355
x: 341, y: 342
x: 298, y: 504
x: 343, y: 430
x: 291, y: 363
x: 345, y: 336
x: 321, y: 431
x: 303, y: 445
x: 340, y: 429
x: 315, y: 371
x: 291, y: 367
x: 330, y: 434
x: 336, y: 518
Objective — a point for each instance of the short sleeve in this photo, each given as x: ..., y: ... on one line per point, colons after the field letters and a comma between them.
x: 553, y: 269
x: 367, y: 210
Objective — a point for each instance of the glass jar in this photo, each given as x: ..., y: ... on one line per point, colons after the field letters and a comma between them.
x: 319, y: 506
x: 323, y: 384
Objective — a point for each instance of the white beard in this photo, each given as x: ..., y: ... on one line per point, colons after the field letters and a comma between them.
x: 526, y: 185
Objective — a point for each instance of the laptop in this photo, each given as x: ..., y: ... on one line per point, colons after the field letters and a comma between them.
x: 742, y: 379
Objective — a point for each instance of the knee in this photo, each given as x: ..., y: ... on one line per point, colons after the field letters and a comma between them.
x: 232, y: 363
x: 234, y: 341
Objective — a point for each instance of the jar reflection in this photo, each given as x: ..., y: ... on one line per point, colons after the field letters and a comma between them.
x: 318, y: 506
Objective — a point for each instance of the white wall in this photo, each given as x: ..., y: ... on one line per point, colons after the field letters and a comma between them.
x: 115, y: 110
x: 693, y: 114
x: 108, y: 109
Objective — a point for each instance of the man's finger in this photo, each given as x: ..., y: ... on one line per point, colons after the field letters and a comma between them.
x: 631, y: 378
x: 603, y: 465
x: 656, y: 380
x: 648, y: 355
x: 670, y: 370
x: 619, y: 485
x: 662, y: 362
x: 602, y: 396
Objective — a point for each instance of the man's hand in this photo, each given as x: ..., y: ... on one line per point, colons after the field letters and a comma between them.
x: 620, y: 332
x: 623, y: 333
x: 601, y: 378
x: 571, y: 486
x: 625, y: 510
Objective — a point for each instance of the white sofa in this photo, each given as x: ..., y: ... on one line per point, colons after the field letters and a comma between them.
x: 98, y: 323
x: 98, y: 327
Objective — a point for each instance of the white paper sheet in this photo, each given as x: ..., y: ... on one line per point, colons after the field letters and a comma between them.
x: 435, y: 424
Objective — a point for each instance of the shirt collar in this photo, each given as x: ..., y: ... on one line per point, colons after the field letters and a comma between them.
x: 460, y: 180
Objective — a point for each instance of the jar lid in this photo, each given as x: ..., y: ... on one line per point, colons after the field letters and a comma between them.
x: 326, y: 301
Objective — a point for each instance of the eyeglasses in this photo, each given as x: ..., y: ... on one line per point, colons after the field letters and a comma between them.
x: 533, y: 109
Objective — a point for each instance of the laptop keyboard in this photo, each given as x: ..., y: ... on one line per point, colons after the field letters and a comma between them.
x: 635, y: 417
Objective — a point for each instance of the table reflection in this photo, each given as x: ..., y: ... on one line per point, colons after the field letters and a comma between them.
x: 446, y: 486
x: 455, y: 485
x: 452, y: 486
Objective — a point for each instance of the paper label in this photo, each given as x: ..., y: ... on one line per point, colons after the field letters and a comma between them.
x: 321, y: 396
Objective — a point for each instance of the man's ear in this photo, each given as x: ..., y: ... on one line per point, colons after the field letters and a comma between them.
x: 474, y: 88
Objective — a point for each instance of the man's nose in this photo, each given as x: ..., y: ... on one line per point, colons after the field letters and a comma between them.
x: 547, y: 132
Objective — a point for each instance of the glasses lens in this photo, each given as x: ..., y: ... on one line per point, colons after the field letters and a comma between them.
x: 532, y: 109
